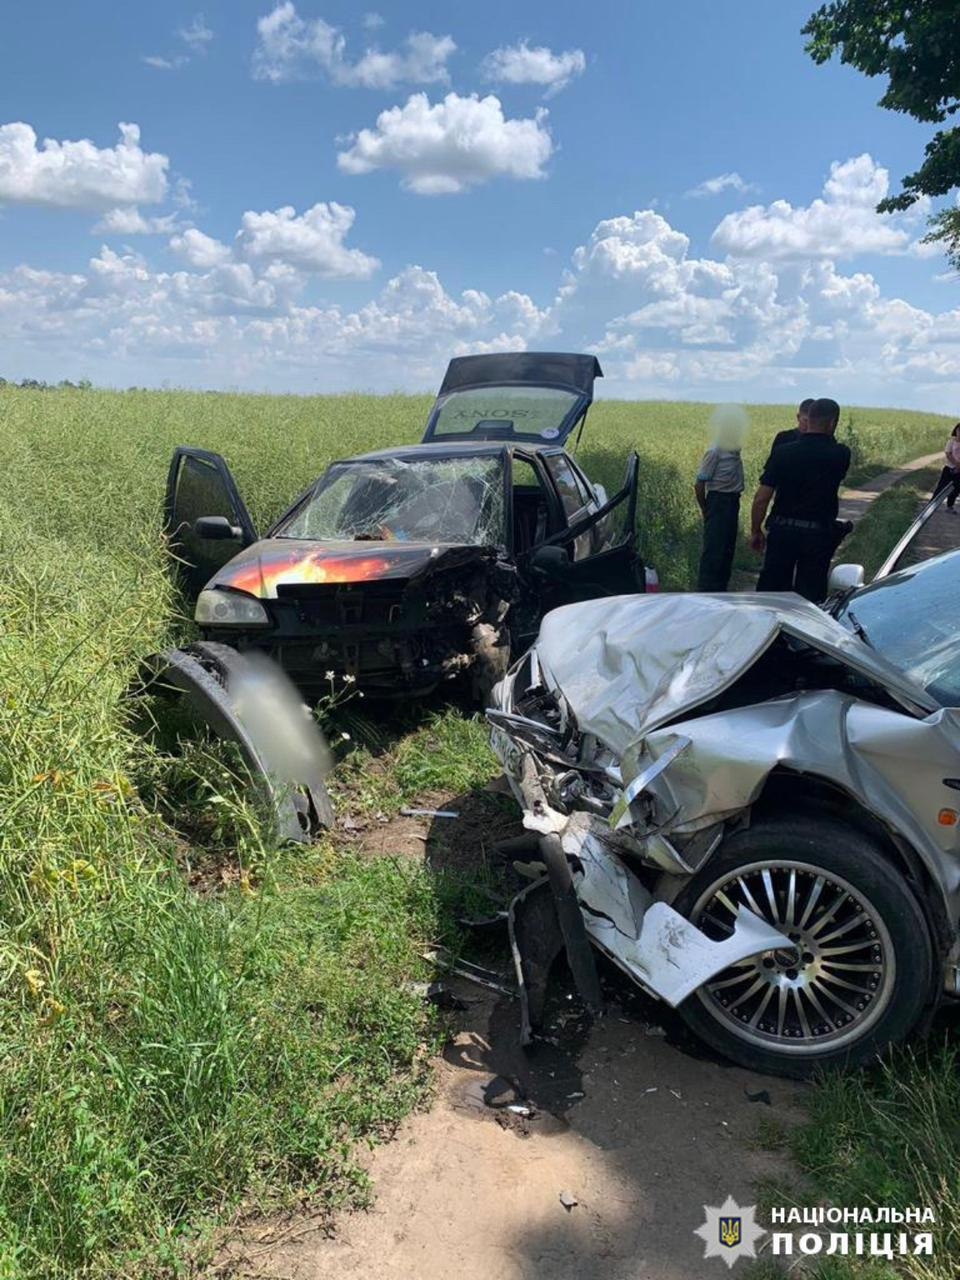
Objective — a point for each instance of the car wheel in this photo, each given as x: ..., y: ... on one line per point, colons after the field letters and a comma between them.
x: 861, y: 969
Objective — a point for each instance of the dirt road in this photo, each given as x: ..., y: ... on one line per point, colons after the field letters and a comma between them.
x: 624, y: 1120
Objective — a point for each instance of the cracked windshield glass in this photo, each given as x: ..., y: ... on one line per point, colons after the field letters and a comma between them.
x: 439, y: 500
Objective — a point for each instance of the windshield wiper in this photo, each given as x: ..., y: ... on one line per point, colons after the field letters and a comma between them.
x: 859, y: 629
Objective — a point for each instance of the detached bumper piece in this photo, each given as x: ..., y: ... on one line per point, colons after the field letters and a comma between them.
x: 589, y: 895
x: 247, y: 699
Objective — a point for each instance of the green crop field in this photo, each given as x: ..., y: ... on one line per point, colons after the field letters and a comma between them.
x: 191, y: 1022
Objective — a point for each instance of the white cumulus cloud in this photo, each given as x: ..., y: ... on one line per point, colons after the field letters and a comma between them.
x: 79, y: 175
x: 314, y: 241
x: 281, y: 241
x: 449, y: 146
x: 521, y: 64
x: 291, y: 48
x: 840, y: 223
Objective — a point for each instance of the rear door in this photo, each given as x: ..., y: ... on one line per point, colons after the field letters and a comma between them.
x: 199, y: 484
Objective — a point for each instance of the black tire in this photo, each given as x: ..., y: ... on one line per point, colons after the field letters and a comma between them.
x: 875, y: 937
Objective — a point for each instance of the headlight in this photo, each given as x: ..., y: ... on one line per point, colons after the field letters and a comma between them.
x: 230, y: 609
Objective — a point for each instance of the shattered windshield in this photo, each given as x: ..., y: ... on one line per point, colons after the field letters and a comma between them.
x: 505, y: 412
x: 439, y: 500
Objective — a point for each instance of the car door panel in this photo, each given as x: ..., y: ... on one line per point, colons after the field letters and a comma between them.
x: 934, y: 531
x: 612, y: 566
x: 614, y: 569
x: 199, y: 484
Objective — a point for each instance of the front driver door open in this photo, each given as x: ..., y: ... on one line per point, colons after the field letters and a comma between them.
x: 601, y: 550
x: 199, y: 484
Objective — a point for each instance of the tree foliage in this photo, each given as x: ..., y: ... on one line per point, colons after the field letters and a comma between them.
x: 916, y: 45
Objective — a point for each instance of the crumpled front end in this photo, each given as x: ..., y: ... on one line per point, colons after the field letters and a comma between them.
x: 636, y: 823
x: 594, y: 847
x: 429, y: 615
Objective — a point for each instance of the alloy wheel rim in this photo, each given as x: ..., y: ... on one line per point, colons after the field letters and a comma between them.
x: 828, y: 989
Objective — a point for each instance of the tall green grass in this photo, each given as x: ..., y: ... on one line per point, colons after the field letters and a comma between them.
x: 167, y: 1052
x: 883, y: 1138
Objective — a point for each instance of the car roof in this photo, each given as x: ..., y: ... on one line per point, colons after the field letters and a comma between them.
x: 453, y: 448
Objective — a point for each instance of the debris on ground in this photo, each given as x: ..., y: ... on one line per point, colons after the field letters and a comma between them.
x: 762, y: 1095
x: 502, y: 1091
x: 568, y: 1200
x: 429, y: 813
x: 489, y: 978
x: 439, y: 994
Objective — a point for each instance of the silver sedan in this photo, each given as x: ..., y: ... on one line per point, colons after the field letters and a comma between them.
x: 757, y: 801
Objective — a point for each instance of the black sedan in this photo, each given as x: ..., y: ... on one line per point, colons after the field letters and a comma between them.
x: 416, y: 565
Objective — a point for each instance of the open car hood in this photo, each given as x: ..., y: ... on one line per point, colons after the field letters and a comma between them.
x: 628, y: 664
x: 274, y: 562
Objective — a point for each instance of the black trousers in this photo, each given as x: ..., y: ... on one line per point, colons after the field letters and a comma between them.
x: 721, y: 520
x: 797, y: 560
x: 948, y: 479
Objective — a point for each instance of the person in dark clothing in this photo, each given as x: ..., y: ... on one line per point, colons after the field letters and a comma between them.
x: 842, y: 527
x: 950, y: 475
x: 803, y: 478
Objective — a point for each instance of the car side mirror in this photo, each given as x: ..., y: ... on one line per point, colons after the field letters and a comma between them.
x: 845, y: 577
x: 552, y: 562
x: 216, y: 529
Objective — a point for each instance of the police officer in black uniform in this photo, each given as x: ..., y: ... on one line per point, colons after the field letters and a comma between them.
x: 842, y: 527
x: 805, y: 475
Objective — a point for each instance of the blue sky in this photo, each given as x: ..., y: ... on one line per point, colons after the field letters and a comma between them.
x: 314, y: 196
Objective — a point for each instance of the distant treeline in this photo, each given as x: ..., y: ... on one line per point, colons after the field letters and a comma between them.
x: 34, y: 384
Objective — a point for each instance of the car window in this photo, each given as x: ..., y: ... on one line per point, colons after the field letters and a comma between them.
x: 572, y: 495
x: 584, y: 485
x: 504, y: 412
x: 441, y: 500
x: 531, y: 512
x: 201, y: 491
x: 613, y: 530
x: 912, y: 619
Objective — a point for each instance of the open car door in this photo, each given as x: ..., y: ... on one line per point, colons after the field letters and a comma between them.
x: 597, y: 555
x: 934, y: 531
x: 201, y: 489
